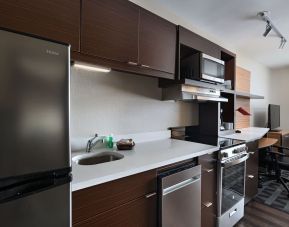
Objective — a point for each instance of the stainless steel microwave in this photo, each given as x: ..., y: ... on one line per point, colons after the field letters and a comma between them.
x: 200, y: 66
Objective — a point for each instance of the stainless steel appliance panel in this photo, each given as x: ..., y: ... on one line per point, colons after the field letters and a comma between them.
x: 181, y: 198
x: 213, y: 69
x: 34, y: 105
x: 50, y: 208
x: 232, y: 216
x: 231, y: 184
x: 199, y: 66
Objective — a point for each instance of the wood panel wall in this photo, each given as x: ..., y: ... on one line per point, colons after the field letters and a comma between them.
x: 242, y: 121
x: 243, y: 83
x: 243, y: 80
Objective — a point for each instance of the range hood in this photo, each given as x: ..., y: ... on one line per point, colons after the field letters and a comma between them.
x: 182, y: 92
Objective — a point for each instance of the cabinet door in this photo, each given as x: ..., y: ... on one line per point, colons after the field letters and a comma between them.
x: 209, y: 189
x: 157, y: 42
x: 141, y: 213
x: 92, y: 201
x: 110, y: 29
x: 209, y: 218
x: 251, y: 182
x: 199, y: 43
x: 53, y: 19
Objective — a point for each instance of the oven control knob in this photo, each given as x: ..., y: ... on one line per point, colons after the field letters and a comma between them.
x: 225, y: 155
x: 236, y: 151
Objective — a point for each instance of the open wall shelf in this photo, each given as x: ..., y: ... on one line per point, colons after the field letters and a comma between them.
x: 239, y: 97
x: 242, y: 94
x: 248, y: 95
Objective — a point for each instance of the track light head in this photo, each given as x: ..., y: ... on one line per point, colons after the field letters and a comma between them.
x: 264, y: 15
x: 283, y: 42
x: 268, y: 29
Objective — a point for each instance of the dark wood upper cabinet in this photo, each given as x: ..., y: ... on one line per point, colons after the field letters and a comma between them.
x: 157, y: 42
x: 53, y: 19
x: 125, y: 37
x: 110, y: 29
x: 197, y: 42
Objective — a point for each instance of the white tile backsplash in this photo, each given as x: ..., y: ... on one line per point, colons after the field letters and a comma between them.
x: 122, y: 103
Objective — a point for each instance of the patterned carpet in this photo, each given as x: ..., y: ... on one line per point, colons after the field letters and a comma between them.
x: 274, y: 194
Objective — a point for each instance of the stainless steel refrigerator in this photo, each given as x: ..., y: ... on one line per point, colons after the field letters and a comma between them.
x: 35, y: 166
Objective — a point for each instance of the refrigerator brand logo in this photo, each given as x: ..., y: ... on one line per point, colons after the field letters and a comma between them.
x: 52, y: 52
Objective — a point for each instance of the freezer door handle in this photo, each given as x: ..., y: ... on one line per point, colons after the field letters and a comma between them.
x: 23, y: 189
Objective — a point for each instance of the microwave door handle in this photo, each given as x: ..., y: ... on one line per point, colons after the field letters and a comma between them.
x: 208, y: 57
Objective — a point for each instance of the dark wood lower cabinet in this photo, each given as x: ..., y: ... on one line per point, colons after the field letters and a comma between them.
x: 209, y: 189
x: 209, y: 218
x: 132, y: 201
x: 140, y: 212
x: 251, y: 180
x: 129, y: 201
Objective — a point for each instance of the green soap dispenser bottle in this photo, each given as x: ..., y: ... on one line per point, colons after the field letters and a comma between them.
x: 109, y: 140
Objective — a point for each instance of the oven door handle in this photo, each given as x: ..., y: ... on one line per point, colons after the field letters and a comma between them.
x: 235, y: 162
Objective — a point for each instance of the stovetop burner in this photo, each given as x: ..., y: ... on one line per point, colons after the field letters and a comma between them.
x: 192, y: 134
x: 223, y: 143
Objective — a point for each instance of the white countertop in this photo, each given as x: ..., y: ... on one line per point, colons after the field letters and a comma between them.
x: 248, y: 134
x: 145, y: 156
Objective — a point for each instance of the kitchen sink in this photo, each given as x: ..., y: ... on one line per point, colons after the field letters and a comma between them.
x: 97, y: 158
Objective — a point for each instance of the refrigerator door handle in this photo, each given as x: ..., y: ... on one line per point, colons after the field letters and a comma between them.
x: 31, y: 187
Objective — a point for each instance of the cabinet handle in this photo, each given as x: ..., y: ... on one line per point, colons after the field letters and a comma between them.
x: 207, y: 204
x: 208, y: 170
x: 251, y: 176
x: 151, y: 195
x: 131, y: 63
x: 145, y: 66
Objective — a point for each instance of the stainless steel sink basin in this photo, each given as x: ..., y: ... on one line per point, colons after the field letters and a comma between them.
x: 97, y: 158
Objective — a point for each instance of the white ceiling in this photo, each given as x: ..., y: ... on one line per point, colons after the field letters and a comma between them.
x: 235, y: 23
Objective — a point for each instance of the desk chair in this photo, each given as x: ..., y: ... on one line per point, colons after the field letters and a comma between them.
x: 267, y: 166
x: 277, y: 161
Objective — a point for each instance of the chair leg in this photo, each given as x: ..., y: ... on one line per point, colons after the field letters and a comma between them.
x: 285, y: 179
x: 278, y: 175
x: 285, y: 185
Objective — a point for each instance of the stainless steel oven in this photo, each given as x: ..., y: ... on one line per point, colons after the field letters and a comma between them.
x: 200, y: 66
x: 231, y: 185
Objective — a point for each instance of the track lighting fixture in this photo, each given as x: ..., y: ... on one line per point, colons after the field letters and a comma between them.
x: 270, y: 26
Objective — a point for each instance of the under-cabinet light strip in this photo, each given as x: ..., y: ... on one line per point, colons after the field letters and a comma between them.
x: 91, y: 67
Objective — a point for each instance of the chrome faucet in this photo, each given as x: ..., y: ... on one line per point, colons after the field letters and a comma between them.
x: 93, y: 141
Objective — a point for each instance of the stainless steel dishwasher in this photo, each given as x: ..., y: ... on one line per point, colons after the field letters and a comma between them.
x: 180, y: 197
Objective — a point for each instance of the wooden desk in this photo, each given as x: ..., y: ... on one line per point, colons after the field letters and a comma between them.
x: 282, y: 137
x: 266, y: 142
